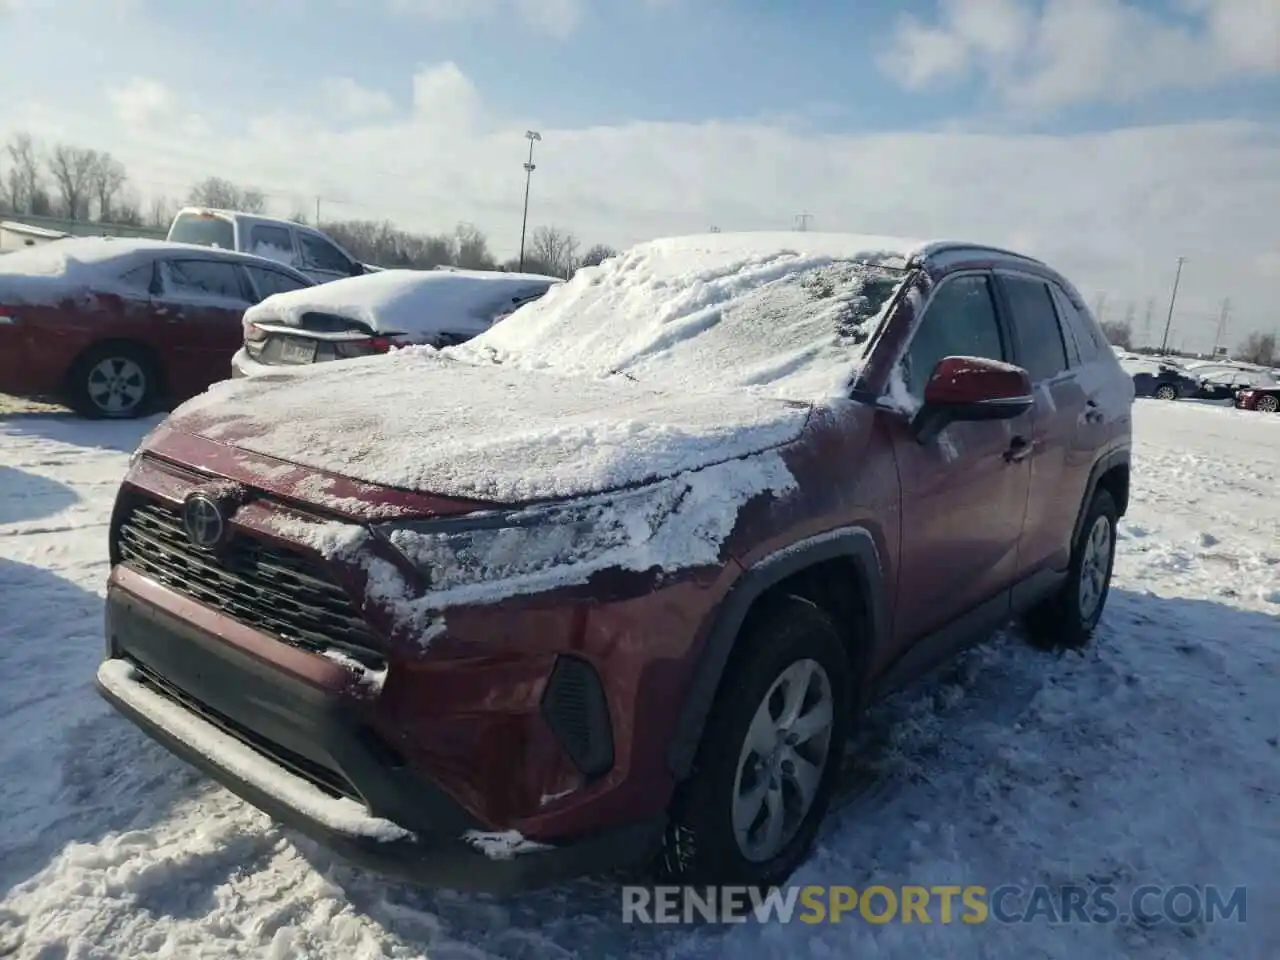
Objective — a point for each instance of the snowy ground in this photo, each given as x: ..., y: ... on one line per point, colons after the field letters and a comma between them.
x: 1151, y: 759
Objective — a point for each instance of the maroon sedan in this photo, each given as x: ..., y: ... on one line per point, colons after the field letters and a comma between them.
x: 1263, y: 397
x: 113, y: 327
x: 611, y: 581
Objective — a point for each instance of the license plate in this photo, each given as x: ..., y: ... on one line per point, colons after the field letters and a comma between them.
x: 297, y: 351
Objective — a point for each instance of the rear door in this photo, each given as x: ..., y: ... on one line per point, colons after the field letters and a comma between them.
x: 1068, y: 426
x: 199, y: 308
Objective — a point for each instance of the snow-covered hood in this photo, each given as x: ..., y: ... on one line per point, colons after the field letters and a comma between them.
x: 416, y: 420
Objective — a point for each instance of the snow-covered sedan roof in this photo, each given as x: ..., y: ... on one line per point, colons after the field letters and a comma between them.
x: 786, y: 314
x: 407, y: 301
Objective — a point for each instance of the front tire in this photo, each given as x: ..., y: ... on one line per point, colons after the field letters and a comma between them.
x: 113, y: 382
x: 1068, y: 618
x: 1267, y: 404
x: 769, y: 755
x: 1166, y: 391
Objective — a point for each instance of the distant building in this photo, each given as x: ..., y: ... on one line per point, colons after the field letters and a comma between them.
x: 25, y: 230
x: 17, y: 236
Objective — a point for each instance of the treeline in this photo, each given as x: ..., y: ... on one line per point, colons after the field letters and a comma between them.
x: 79, y: 183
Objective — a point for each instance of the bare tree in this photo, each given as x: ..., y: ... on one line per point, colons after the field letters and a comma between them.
x: 160, y: 213
x: 127, y: 211
x: 597, y: 255
x: 23, y: 182
x: 556, y: 249
x: 299, y: 217
x: 471, y: 248
x: 1119, y: 333
x: 1260, y: 348
x: 72, y: 168
x: 108, y: 178
x: 225, y: 195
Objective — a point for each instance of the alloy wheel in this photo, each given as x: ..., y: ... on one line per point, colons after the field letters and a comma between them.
x: 1094, y: 566
x: 116, y: 385
x: 782, y: 760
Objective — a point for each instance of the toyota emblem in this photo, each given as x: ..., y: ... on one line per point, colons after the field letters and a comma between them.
x: 203, y: 520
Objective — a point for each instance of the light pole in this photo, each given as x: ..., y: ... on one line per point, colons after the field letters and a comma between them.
x: 531, y: 136
x: 1173, y: 298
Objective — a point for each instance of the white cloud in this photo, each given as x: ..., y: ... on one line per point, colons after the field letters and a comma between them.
x: 349, y: 99
x: 559, y: 18
x: 1112, y: 209
x: 1070, y: 51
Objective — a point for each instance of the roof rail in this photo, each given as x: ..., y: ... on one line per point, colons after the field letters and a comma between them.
x: 951, y: 246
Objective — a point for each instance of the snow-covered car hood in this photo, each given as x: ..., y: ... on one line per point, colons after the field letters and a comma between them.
x: 417, y: 420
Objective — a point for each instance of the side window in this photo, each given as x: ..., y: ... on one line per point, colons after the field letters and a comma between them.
x: 1044, y: 354
x: 960, y: 321
x: 268, y: 282
x: 273, y: 243
x: 322, y: 255
x: 139, y: 279
x: 1078, y: 326
x: 204, y: 278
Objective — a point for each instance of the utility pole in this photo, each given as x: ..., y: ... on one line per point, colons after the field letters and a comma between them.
x: 1222, y: 324
x: 1146, y: 321
x: 531, y: 136
x: 317, y: 211
x: 802, y: 221
x: 1173, y: 298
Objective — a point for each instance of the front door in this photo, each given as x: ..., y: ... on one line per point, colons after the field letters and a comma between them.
x: 964, y: 493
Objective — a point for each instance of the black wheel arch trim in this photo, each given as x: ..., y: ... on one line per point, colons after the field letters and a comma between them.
x: 854, y: 543
x: 1116, y: 457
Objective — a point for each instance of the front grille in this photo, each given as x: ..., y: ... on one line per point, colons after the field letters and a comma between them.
x: 325, y: 778
x: 273, y: 589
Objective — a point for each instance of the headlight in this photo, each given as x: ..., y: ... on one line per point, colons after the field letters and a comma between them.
x: 538, y: 547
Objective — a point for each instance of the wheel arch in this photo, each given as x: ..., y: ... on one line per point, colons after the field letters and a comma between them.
x: 839, y: 571
x: 1111, y: 473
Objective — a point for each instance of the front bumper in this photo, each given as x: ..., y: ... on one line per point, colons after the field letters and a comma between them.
x: 305, y: 758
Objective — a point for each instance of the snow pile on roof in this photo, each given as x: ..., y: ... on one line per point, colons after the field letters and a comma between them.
x: 417, y: 420
x: 408, y: 301
x: 62, y: 268
x: 787, y: 314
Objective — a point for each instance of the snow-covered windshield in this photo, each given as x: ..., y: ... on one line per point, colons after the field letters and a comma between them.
x: 786, y: 315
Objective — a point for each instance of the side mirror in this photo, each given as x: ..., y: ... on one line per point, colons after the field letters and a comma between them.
x: 357, y: 268
x: 969, y: 389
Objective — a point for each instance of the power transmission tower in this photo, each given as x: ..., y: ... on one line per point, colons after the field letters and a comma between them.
x: 802, y: 221
x: 1222, y: 324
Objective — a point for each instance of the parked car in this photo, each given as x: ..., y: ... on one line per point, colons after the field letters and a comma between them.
x: 113, y: 327
x: 1263, y: 397
x: 610, y: 582
x: 1225, y: 383
x: 311, y: 251
x: 371, y: 314
x: 1159, y: 379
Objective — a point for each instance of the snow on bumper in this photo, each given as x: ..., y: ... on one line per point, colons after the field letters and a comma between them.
x: 120, y: 681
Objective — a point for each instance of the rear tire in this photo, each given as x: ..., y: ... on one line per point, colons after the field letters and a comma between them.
x: 1166, y: 391
x: 113, y: 381
x: 1068, y: 618
x: 769, y: 755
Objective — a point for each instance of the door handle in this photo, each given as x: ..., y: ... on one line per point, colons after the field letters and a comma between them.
x: 1019, y: 450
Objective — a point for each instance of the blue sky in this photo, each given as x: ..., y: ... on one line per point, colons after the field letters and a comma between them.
x: 1112, y: 135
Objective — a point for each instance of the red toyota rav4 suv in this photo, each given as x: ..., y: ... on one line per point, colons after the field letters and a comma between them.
x: 611, y: 582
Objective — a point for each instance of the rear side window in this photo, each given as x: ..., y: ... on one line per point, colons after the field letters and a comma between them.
x: 322, y: 255
x: 1044, y: 353
x: 268, y: 282
x: 206, y: 230
x: 209, y: 278
x: 139, y: 278
x: 274, y: 243
x: 1078, y: 326
x: 960, y: 321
